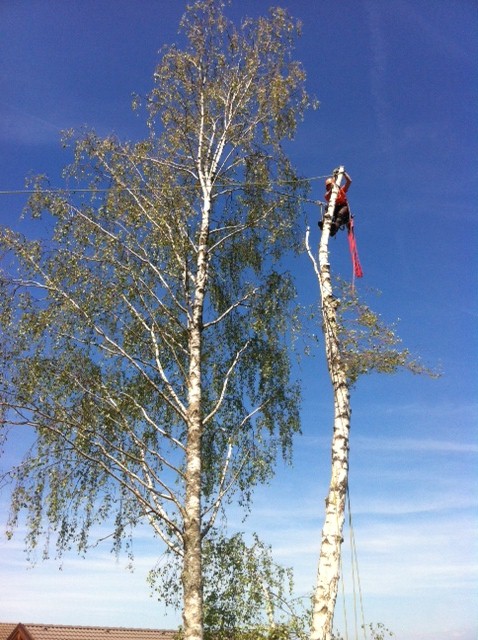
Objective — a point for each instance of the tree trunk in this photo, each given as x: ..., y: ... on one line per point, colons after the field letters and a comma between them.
x: 192, y: 574
x: 192, y: 562
x: 330, y: 553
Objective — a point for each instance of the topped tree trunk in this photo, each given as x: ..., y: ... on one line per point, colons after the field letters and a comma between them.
x: 357, y: 342
x: 328, y: 576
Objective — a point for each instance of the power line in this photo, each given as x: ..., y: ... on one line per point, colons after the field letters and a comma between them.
x: 59, y: 190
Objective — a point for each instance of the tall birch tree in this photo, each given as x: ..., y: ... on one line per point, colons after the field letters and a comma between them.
x: 356, y: 342
x: 144, y: 343
x: 329, y: 561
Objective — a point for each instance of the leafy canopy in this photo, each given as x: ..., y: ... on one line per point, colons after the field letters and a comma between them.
x: 176, y: 236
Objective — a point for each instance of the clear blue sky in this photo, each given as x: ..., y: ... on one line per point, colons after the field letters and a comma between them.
x: 397, y: 83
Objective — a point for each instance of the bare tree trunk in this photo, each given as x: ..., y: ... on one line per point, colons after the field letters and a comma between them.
x: 192, y: 561
x: 192, y: 577
x: 330, y: 553
x: 192, y: 574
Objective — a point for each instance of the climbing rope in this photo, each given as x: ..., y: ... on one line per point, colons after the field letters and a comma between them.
x: 356, y: 585
x: 355, y: 574
x: 344, y: 605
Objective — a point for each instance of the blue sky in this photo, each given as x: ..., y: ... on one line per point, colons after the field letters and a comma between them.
x: 397, y: 84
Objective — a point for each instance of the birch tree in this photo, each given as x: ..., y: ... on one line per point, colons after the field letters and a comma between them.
x: 356, y: 342
x: 145, y: 340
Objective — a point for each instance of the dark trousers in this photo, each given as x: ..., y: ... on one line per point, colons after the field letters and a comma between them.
x: 340, y: 218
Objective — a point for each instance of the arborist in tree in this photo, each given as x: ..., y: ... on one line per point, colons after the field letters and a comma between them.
x: 341, y: 215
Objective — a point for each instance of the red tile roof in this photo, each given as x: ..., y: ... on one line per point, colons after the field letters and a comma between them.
x: 6, y: 628
x: 64, y: 632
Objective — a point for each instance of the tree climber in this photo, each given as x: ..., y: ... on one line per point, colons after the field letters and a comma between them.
x: 341, y: 215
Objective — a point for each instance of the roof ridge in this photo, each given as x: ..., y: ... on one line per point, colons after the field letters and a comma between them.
x: 88, y: 626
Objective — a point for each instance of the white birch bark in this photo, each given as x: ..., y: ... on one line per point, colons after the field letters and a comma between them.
x: 330, y: 552
x: 192, y: 574
x: 192, y: 562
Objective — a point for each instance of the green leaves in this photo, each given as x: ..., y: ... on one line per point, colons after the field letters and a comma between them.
x: 163, y: 268
x: 367, y: 344
x: 247, y: 595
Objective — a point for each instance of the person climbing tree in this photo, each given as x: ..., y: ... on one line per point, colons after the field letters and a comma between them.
x: 341, y: 215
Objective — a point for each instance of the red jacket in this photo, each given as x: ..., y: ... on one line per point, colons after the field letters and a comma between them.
x: 341, y: 196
